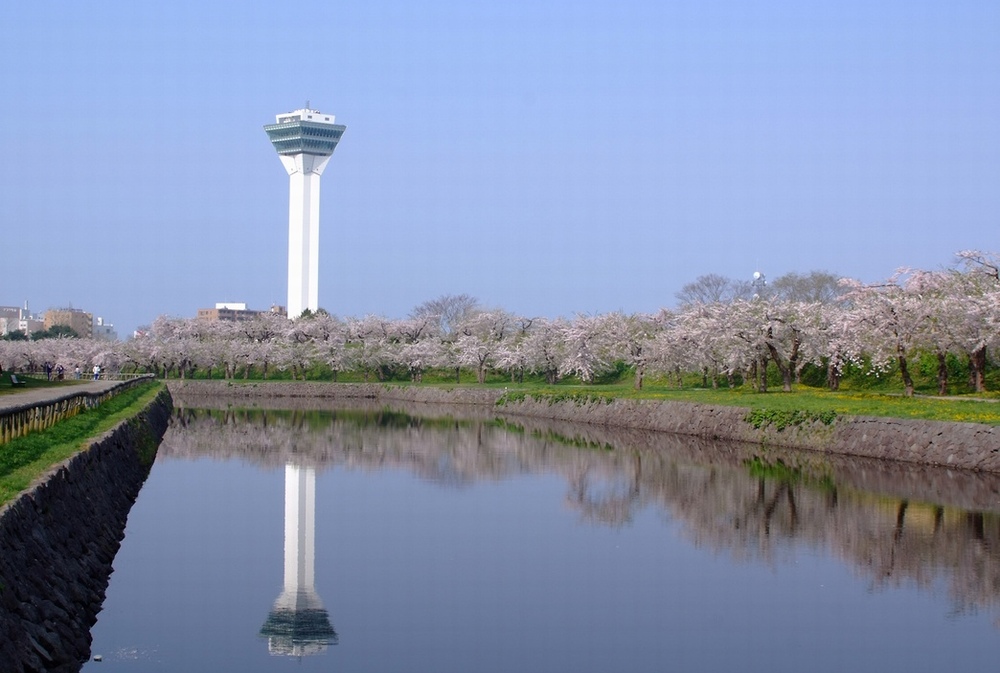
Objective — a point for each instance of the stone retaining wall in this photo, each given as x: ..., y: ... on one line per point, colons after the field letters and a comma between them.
x: 970, y: 446
x: 960, y: 445
x: 257, y: 390
x: 58, y: 541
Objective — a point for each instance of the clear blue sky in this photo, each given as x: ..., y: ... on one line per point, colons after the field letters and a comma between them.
x: 546, y: 157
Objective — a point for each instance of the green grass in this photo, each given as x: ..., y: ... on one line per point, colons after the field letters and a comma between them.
x: 778, y: 407
x: 33, y: 381
x: 23, y: 459
x: 861, y: 394
x: 775, y: 406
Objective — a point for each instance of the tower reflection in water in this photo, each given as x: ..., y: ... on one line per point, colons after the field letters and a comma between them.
x: 298, y: 625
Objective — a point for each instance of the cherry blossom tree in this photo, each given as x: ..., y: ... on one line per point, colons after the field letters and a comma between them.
x: 587, y: 352
x: 888, y: 321
x: 370, y: 337
x: 671, y: 347
x: 703, y: 343
x: 629, y: 339
x: 838, y: 342
x: 514, y: 355
x: 942, y: 302
x: 416, y: 344
x: 266, y: 331
x: 330, y: 337
x: 14, y: 355
x: 481, y: 336
x: 793, y: 337
x: 543, y: 348
x: 980, y: 328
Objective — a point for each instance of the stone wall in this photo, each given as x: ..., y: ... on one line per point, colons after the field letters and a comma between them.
x: 257, y: 390
x: 58, y: 541
x: 970, y: 446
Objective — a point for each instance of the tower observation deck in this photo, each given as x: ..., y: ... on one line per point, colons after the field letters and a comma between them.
x: 304, y: 140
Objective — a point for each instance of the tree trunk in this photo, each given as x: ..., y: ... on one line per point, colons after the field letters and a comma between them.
x: 784, y: 368
x: 904, y: 371
x: 832, y: 375
x: 762, y: 375
x: 639, y: 372
x: 977, y: 369
x: 942, y: 373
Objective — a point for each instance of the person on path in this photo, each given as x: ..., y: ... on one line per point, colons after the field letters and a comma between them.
x: 97, y: 372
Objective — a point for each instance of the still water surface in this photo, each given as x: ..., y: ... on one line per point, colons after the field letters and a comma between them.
x: 376, y: 541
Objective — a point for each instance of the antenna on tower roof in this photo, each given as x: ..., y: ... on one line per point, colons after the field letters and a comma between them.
x: 307, y: 105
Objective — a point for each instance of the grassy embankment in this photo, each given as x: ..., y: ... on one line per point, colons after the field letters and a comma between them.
x: 23, y: 459
x: 773, y: 406
x: 811, y: 402
x: 861, y: 393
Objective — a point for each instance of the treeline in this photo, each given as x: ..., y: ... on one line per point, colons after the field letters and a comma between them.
x: 724, y: 332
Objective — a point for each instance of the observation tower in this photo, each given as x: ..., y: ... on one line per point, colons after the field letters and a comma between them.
x: 305, y: 140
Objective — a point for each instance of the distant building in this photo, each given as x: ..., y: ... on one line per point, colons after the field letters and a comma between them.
x: 14, y: 318
x: 235, y: 312
x: 30, y: 325
x: 79, y: 321
x: 103, y: 330
x: 9, y: 318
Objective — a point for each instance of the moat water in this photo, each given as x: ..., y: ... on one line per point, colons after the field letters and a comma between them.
x: 370, y: 540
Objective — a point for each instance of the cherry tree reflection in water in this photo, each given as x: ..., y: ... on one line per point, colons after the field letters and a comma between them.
x: 891, y: 523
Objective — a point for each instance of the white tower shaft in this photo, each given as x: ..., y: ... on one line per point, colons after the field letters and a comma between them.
x: 298, y: 625
x: 300, y: 536
x: 304, y: 172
